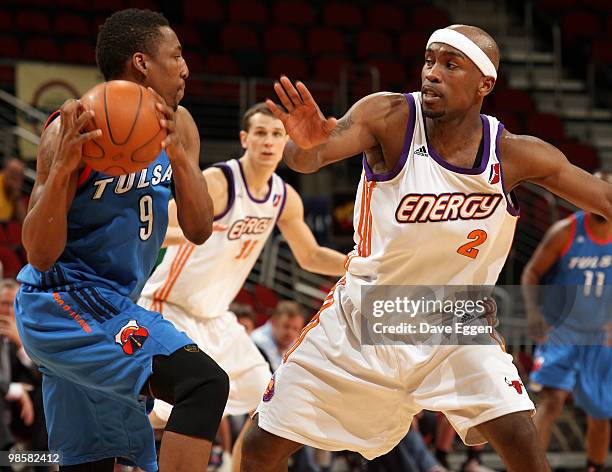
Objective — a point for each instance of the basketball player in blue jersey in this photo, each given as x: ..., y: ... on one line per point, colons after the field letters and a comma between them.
x: 420, y: 151
x: 577, y: 253
x: 92, y: 241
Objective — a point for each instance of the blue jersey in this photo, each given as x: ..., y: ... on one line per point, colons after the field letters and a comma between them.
x: 115, y: 228
x: 585, y: 272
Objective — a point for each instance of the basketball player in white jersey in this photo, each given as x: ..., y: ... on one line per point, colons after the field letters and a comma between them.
x: 194, y: 285
x: 431, y: 209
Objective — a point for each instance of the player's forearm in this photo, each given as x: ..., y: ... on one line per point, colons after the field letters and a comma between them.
x: 305, y: 161
x: 45, y: 227
x: 193, y: 203
x: 529, y: 288
x: 324, y: 261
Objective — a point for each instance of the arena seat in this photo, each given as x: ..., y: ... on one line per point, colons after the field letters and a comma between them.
x: 580, y: 24
x: 281, y: 38
x: 203, y: 12
x: 244, y: 297
x: 248, y: 11
x: 372, y: 43
x: 546, y: 126
x: 79, y: 52
x: 42, y: 49
x: 189, y: 36
x: 13, y: 231
x: 32, y: 21
x: 428, y: 18
x: 70, y: 24
x: 411, y: 45
x: 342, y: 15
x: 512, y: 100
x: 601, y: 49
x: 293, y: 12
x: 329, y: 68
x: 11, y: 262
x: 323, y: 40
x: 265, y: 299
x: 510, y: 120
x: 10, y: 46
x: 581, y: 155
x: 108, y: 5
x: 239, y: 38
x: 392, y: 73
x: 289, y: 65
x: 194, y: 61
x: 220, y: 64
x: 386, y: 17
x: 7, y: 22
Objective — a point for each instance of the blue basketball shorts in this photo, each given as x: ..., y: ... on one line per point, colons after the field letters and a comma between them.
x: 95, y: 350
x: 583, y: 370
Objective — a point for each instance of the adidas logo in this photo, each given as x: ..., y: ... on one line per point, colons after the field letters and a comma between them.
x: 421, y: 151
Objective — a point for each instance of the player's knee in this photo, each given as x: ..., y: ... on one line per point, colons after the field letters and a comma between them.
x: 198, y: 390
x: 552, y: 402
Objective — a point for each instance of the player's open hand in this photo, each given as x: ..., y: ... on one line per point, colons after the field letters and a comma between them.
x: 172, y: 142
x: 303, y: 120
x: 537, y: 327
x: 73, y: 133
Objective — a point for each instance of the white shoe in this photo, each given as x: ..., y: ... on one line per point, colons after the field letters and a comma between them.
x: 472, y: 465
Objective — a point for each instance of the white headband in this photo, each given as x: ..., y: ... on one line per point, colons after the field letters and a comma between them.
x: 467, y: 47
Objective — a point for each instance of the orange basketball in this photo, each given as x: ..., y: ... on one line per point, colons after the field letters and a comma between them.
x: 131, y: 133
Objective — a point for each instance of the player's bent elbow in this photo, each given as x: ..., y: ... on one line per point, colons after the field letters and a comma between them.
x: 200, y: 235
x: 42, y: 262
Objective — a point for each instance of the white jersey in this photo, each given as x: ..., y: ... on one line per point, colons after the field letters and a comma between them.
x: 427, y: 222
x: 204, y: 280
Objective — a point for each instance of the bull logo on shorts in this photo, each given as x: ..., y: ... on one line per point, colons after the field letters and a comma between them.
x: 131, y: 337
x: 516, y: 384
x: 269, y: 393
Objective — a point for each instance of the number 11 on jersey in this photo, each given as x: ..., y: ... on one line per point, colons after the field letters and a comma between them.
x: 246, y: 249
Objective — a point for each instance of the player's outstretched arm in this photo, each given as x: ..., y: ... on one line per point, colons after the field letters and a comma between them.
x: 59, y: 159
x: 529, y: 159
x: 317, y: 141
x: 544, y: 257
x: 193, y: 203
x: 309, y: 255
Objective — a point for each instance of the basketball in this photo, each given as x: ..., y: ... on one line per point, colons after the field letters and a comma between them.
x: 131, y: 133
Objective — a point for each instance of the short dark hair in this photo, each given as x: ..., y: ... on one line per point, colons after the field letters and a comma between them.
x: 123, y: 34
x: 289, y: 308
x: 260, y: 107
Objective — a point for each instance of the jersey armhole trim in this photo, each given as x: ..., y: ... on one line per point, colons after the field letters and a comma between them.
x: 586, y: 220
x: 231, y: 194
x: 570, y: 240
x: 282, y: 206
x: 512, y: 204
x: 370, y: 175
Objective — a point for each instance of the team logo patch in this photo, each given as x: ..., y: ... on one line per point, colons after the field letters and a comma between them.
x: 269, y: 393
x: 494, y: 174
x: 276, y: 200
x: 131, y: 337
x: 516, y: 384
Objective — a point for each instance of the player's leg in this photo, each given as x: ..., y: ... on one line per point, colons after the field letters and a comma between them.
x: 237, y: 448
x: 197, y: 388
x: 597, y: 443
x: 549, y: 408
x: 265, y: 452
x: 515, y: 432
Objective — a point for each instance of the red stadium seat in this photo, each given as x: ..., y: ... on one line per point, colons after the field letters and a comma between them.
x: 194, y: 61
x: 6, y: 20
x: 239, y: 38
x: 10, y: 47
x: 244, y: 297
x: 108, y: 5
x: 70, y: 24
x: 546, y: 126
x: 42, y: 49
x: 580, y: 24
x: 324, y: 40
x: 79, y: 52
x: 11, y: 263
x: 289, y: 65
x: 411, y: 45
x: 293, y: 12
x: 512, y: 100
x: 283, y: 39
x: 342, y: 15
x: 392, y: 73
x: 579, y: 154
x: 144, y: 4
x: 329, y: 68
x: 386, y: 16
x: 204, y: 12
x: 248, y: 11
x: 556, y: 5
x: 220, y: 64
x: 32, y: 21
x: 13, y: 229
x: 265, y: 300
x: 511, y: 121
x: 82, y: 5
x: 372, y: 43
x: 427, y: 19
x: 188, y: 36
x: 601, y: 50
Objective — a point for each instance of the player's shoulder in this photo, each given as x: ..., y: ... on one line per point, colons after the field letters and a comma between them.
x: 521, y: 144
x: 383, y: 100
x: 562, y: 229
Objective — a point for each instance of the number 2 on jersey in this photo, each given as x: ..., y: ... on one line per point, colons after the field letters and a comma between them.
x: 146, y: 216
x: 477, y: 237
x: 246, y: 249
